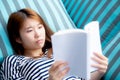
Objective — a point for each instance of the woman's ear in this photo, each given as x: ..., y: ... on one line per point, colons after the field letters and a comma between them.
x: 18, y: 40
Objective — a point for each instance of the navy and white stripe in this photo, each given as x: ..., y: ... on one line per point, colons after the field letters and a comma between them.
x: 25, y: 68
x: 20, y: 67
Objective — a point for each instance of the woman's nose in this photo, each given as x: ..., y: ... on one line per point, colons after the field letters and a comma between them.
x: 37, y: 33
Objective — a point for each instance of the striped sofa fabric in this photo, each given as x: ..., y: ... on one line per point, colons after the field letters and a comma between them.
x: 107, y: 12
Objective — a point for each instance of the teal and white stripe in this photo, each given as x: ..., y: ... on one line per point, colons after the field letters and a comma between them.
x: 112, y: 51
x: 104, y: 11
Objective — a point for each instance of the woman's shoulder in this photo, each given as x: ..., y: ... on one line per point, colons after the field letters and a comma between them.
x: 12, y: 59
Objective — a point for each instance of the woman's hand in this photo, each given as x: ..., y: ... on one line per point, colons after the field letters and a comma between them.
x: 101, y: 65
x: 58, y: 70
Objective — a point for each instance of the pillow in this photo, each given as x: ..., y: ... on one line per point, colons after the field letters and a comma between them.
x: 52, y: 11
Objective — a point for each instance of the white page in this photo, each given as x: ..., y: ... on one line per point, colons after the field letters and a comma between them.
x: 72, y: 46
x: 95, y: 43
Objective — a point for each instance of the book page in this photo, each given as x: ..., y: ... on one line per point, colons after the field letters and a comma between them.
x: 72, y: 46
x: 95, y: 44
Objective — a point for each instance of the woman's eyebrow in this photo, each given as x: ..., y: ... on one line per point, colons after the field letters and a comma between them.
x: 28, y: 27
x: 40, y: 24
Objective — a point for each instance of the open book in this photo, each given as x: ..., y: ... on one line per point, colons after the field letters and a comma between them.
x: 76, y: 46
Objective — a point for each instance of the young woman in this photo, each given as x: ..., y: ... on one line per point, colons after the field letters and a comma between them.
x: 30, y: 38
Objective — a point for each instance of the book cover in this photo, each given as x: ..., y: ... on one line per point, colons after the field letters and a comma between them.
x: 76, y: 47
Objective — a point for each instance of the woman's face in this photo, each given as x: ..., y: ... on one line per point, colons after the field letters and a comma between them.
x: 32, y: 34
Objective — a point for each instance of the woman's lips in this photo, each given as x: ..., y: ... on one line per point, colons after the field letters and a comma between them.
x: 39, y: 41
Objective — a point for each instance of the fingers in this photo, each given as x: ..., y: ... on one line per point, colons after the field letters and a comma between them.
x: 58, y: 70
x: 102, y: 62
x: 100, y: 68
x: 100, y: 59
x: 58, y: 65
x: 101, y: 56
x: 63, y: 72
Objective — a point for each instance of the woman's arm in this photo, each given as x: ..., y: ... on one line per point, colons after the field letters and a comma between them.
x: 102, y: 65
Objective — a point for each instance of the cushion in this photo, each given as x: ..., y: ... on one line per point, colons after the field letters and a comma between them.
x: 52, y: 11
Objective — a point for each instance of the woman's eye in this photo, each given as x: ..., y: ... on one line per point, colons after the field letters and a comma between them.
x: 29, y: 31
x: 40, y: 26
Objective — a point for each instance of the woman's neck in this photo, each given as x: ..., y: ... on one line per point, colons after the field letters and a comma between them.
x: 33, y: 53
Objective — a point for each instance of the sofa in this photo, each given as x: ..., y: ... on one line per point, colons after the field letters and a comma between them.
x: 66, y: 14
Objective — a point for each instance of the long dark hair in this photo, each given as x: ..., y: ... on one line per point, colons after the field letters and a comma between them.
x: 15, y: 22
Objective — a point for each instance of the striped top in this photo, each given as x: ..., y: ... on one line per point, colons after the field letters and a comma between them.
x: 25, y: 68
